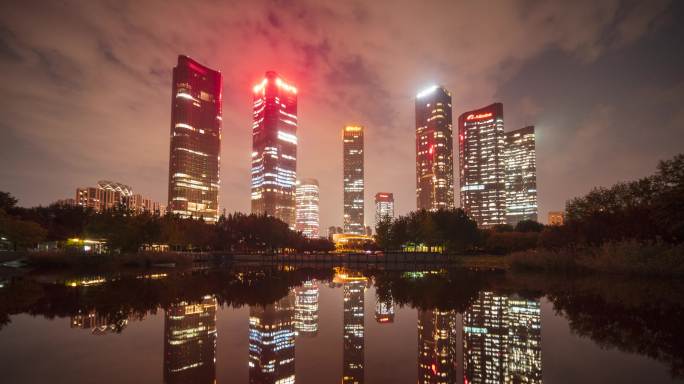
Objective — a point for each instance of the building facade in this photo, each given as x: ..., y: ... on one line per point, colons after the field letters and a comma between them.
x: 307, y: 198
x: 190, y: 342
x: 556, y: 218
x: 437, y: 342
x: 274, y: 148
x: 195, y: 152
x: 481, y: 164
x: 434, y: 150
x: 353, y: 356
x: 384, y: 206
x: 521, y: 175
x: 353, y: 180
x: 112, y: 195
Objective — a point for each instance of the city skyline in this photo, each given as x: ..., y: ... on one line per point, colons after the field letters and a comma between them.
x: 121, y: 134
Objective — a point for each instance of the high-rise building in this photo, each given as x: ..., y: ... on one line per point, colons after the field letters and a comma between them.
x: 272, y: 342
x: 274, y: 148
x: 556, y: 218
x: 307, y: 207
x: 481, y: 164
x: 384, y: 206
x: 190, y: 342
x: 434, y: 150
x: 306, y: 308
x: 195, y: 152
x: 436, y: 347
x: 353, y: 179
x: 521, y: 176
x: 384, y: 311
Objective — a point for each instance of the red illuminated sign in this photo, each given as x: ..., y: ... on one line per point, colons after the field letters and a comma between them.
x: 479, y: 116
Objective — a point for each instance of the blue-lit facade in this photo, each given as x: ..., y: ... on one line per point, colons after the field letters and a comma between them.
x: 272, y: 342
x: 274, y: 149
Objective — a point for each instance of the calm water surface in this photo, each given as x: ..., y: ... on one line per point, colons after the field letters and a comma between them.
x: 287, y: 325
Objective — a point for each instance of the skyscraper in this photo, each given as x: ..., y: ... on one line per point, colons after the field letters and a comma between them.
x: 195, y: 140
x: 521, y: 176
x: 481, y: 164
x: 524, y: 341
x: 353, y: 179
x: 306, y: 308
x: 307, y: 207
x: 434, y: 150
x: 274, y: 148
x: 485, y: 339
x: 190, y: 342
x: 272, y: 342
x: 384, y: 206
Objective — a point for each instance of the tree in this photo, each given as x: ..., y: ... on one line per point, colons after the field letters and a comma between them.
x: 529, y: 226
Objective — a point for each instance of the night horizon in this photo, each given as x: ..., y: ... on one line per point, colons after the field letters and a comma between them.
x: 570, y: 86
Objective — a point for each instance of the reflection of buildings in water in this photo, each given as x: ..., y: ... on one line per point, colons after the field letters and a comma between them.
x: 190, y: 342
x: 436, y: 346
x: 502, y: 340
x: 272, y: 342
x: 384, y: 311
x: 524, y: 341
x: 306, y: 308
x: 99, y: 324
x: 353, y: 332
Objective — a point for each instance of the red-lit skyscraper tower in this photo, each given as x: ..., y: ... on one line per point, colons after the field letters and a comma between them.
x: 195, y: 140
x: 274, y: 148
x: 481, y: 164
x: 434, y: 150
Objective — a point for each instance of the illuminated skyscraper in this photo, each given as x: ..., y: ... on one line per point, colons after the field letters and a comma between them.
x: 195, y: 152
x: 436, y: 347
x: 434, y: 150
x: 307, y: 207
x: 274, y: 148
x: 384, y: 206
x: 353, y: 180
x: 190, y: 342
x: 306, y: 308
x: 524, y: 341
x: 272, y: 342
x: 481, y: 164
x: 521, y: 176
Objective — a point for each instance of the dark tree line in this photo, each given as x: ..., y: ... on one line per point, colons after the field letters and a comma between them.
x: 648, y: 209
x: 127, y: 232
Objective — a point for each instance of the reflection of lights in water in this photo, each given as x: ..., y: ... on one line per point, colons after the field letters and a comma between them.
x: 272, y: 341
x: 306, y: 308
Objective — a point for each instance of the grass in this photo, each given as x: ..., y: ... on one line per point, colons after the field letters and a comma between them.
x: 625, y: 257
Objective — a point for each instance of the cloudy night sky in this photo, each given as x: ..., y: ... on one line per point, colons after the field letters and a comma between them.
x: 86, y: 87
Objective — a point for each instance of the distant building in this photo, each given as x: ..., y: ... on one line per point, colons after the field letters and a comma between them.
x: 306, y: 308
x: 353, y: 179
x: 384, y: 206
x: 195, y: 151
x: 307, y: 198
x: 556, y: 218
x: 521, y: 175
x: 434, y: 150
x: 384, y: 311
x: 190, y: 342
x: 109, y: 195
x: 272, y: 341
x: 274, y: 148
x: 481, y: 164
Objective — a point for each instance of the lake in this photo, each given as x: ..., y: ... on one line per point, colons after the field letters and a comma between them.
x: 284, y: 324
